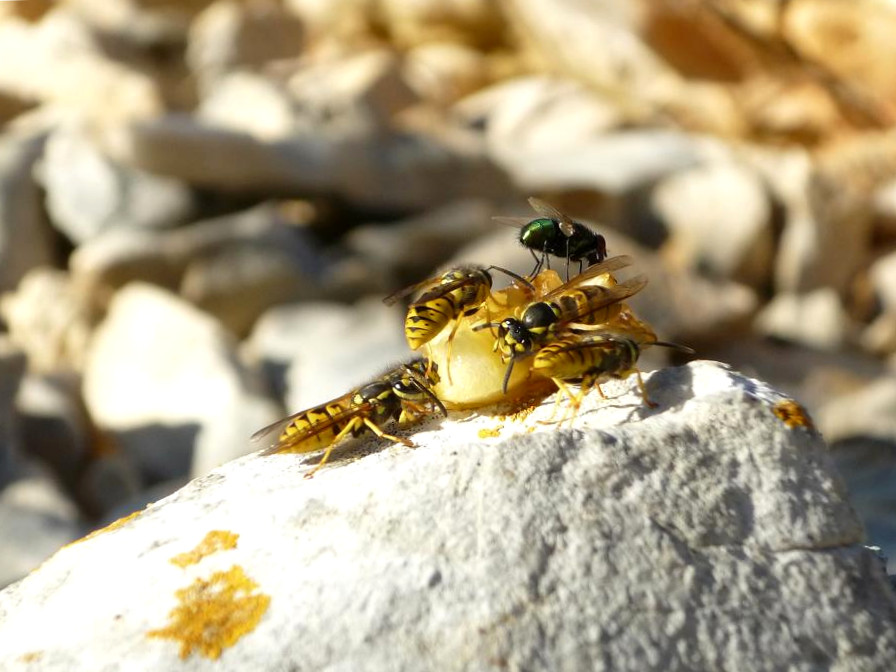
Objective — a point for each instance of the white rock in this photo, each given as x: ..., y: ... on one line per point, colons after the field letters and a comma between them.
x: 356, y: 94
x: 160, y: 370
x: 35, y: 520
x: 883, y: 279
x: 51, y: 318
x: 563, y: 36
x: 719, y: 220
x: 57, y: 60
x: 536, y: 112
x: 326, y: 349
x: 228, y: 35
x: 815, y: 318
x: 25, y: 237
x: 88, y: 194
x: 251, y: 103
x: 444, y: 72
x: 620, y: 543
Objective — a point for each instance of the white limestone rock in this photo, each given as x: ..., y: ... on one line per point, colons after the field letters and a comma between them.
x: 708, y: 533
x: 35, y: 520
x: 87, y: 193
x: 719, y: 220
x: 164, y: 378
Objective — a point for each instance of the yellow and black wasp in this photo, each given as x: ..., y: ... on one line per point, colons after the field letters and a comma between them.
x: 459, y: 292
x: 556, y: 234
x: 402, y: 394
x: 573, y: 306
x: 589, y: 360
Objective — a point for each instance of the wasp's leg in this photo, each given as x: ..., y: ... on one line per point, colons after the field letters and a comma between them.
x: 600, y: 391
x: 450, y: 345
x: 375, y: 428
x: 353, y: 425
x: 562, y: 391
x: 641, y: 386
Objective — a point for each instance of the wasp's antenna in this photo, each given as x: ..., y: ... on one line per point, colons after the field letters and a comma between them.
x: 514, y: 276
x: 424, y: 387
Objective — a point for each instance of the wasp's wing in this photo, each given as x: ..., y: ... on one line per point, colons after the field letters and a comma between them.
x: 549, y: 211
x: 272, y: 438
x: 608, y: 296
x: 593, y: 271
x: 401, y: 293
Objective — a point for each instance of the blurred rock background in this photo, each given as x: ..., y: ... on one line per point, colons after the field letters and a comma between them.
x: 202, y: 204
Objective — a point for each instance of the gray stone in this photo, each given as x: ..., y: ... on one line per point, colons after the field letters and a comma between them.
x: 87, y: 193
x: 26, y: 239
x: 719, y: 221
x: 410, y: 249
x: 54, y: 424
x: 234, y: 266
x: 12, y: 369
x: 409, y: 171
x: 35, y: 520
x: 162, y: 373
x: 708, y: 533
x: 110, y: 481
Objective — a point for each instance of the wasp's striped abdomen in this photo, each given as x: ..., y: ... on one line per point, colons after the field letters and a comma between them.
x: 303, y: 433
x: 426, y: 319
x: 573, y: 359
x: 586, y: 305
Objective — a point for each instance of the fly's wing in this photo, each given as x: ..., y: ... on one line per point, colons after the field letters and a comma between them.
x: 518, y: 222
x: 271, y: 437
x: 609, y: 296
x: 593, y: 271
x: 567, y: 226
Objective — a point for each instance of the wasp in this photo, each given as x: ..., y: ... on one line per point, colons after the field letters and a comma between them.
x: 554, y: 233
x: 403, y: 394
x: 571, y: 306
x: 457, y: 293
x: 589, y: 360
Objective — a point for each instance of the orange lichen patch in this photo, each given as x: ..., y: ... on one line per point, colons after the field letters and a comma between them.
x: 216, y: 540
x: 489, y: 432
x: 121, y: 522
x: 31, y: 656
x: 214, y: 613
x: 792, y: 414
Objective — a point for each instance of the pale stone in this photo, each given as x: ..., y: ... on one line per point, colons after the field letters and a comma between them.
x: 719, y: 220
x: 58, y: 61
x: 620, y: 543
x: 88, y: 194
x: 159, y: 370
x: 815, y: 318
x: 51, y: 318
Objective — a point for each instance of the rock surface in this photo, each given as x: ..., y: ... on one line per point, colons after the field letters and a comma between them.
x: 708, y: 533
